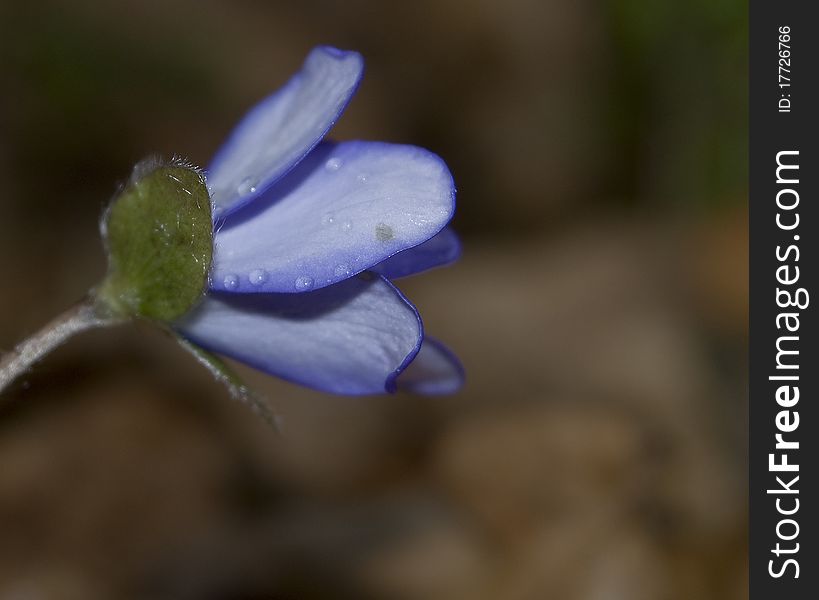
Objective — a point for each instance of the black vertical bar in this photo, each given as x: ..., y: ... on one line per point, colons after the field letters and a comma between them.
x: 784, y: 100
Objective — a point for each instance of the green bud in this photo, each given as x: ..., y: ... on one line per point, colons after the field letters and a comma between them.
x: 158, y: 233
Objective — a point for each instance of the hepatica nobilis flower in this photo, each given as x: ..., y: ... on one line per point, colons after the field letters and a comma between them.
x: 282, y: 254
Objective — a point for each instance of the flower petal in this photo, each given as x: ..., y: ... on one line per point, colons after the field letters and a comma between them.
x: 441, y: 249
x: 345, y: 208
x: 275, y: 135
x: 436, y: 370
x: 351, y: 338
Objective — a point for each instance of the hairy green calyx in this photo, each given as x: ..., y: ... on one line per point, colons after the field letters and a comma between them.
x: 158, y: 234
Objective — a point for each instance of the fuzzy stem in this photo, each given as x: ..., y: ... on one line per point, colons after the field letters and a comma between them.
x: 78, y: 318
x: 237, y: 389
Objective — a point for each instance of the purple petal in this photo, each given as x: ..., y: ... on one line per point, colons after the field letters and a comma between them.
x: 441, y: 249
x: 281, y: 130
x: 345, y: 208
x: 436, y: 370
x: 351, y: 338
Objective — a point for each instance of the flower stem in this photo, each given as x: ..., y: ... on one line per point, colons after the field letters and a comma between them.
x: 80, y: 317
x: 237, y: 389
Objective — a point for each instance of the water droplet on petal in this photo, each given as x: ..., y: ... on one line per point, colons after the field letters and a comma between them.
x: 230, y: 282
x: 304, y: 283
x: 328, y: 219
x: 347, y: 225
x: 361, y: 178
x: 258, y: 276
x: 248, y: 186
x: 342, y: 271
x: 333, y: 164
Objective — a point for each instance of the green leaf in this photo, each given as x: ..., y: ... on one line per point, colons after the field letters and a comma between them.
x: 159, y: 237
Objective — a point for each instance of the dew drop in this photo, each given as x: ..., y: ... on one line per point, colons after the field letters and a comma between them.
x: 248, y: 186
x: 361, y: 178
x: 304, y: 283
x: 328, y: 219
x: 258, y: 276
x: 230, y: 282
x: 342, y: 270
x: 347, y: 225
x: 333, y: 164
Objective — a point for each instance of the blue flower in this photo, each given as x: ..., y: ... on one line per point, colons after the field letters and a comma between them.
x: 309, y: 235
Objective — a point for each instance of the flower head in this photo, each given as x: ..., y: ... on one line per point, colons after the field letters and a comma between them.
x: 307, y: 237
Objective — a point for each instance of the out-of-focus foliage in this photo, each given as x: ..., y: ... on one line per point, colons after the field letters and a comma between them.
x: 680, y: 109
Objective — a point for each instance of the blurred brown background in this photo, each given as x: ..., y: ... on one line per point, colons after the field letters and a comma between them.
x: 598, y: 449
